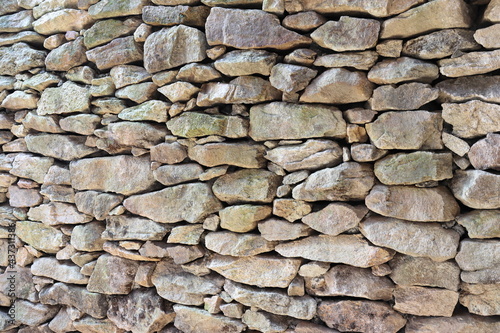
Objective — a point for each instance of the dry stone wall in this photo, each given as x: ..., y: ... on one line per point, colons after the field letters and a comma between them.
x: 299, y: 166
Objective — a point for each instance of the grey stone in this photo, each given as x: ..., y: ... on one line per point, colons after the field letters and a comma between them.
x: 194, y: 124
x: 68, y: 98
x: 472, y: 119
x: 461, y: 323
x: 55, y: 213
x: 22, y: 20
x: 471, y: 63
x: 403, y: 69
x: 112, y: 275
x: 133, y: 228
x: 479, y: 87
x: 60, y: 271
x: 194, y: 16
x: 120, y: 51
x: 112, y: 8
x: 476, y: 188
x: 359, y: 60
x: 291, y: 78
x: 485, y: 153
x: 96, y: 204
x: 335, y: 218
x: 237, y: 245
x: 477, y: 255
x: 481, y: 223
x: 246, y: 62
x: 63, y: 20
x: 423, y: 301
x: 194, y: 320
x: 238, y: 154
x: 176, y: 174
x: 408, y: 96
x: 63, y: 147
x: 20, y: 57
x: 83, y: 124
x: 42, y: 237
x: 105, y: 31
x: 274, y: 229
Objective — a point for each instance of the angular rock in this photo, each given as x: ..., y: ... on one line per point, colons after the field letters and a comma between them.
x: 125, y: 75
x: 238, y: 154
x: 169, y: 153
x: 347, y: 34
x: 406, y: 130
x: 472, y: 119
x: 274, y: 229
x: 347, y: 249
x: 476, y: 189
x: 63, y: 20
x: 481, y: 223
x: 20, y: 197
x: 55, y: 213
x: 63, y: 147
x: 423, y: 301
x: 291, y: 209
x: 118, y: 52
x: 485, y: 153
x: 16, y: 22
x: 412, y: 238
x: 478, y: 254
x: 247, y: 185
x: 178, y: 45
x: 403, y: 69
x: 33, y: 314
x: 237, y: 245
x: 481, y: 299
x: 304, y: 21
x: 246, y: 62
x: 194, y: 16
x: 309, y: 327
x: 112, y: 275
x: 66, y: 56
x: 488, y: 37
x: 31, y: 166
x: 264, y: 322
x: 336, y: 218
x: 96, y: 204
x: 133, y: 228
x: 198, y: 73
x: 89, y: 324
x: 348, y: 181
x: 243, y: 218
x: 9, y: 6
x: 68, y: 98
x: 194, y: 124
x: 359, y: 60
x: 138, y: 93
x: 105, y: 31
x: 174, y: 204
x: 20, y: 57
x: 464, y: 89
x: 250, y: 29
x: 472, y: 63
x: 267, y: 271
x: 176, y: 174
x: 87, y: 237
x: 460, y: 323
x: 52, y: 268
x: 131, y: 134
x: 194, y: 320
x: 101, y: 174
x: 338, y: 86
x: 291, y: 78
x: 360, y: 316
x: 277, y: 302
x: 408, y: 96
x: 20, y: 100
x: 40, y: 236
x: 179, y: 91
x: 411, y: 22
x: 113, y: 8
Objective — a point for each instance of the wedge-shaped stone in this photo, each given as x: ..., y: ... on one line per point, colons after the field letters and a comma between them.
x: 267, y: 271
x: 133, y: 228
x: 198, y: 73
x: 408, y: 96
x: 481, y: 223
x: 338, y: 86
x: 68, y: 98
x: 481, y: 299
x: 291, y: 78
x: 406, y: 130
x: 63, y: 20
x: 463, y: 322
x: 343, y: 280
x: 472, y: 63
x: 359, y: 60
x: 238, y: 154
x: 476, y: 188
x: 277, y: 302
x: 346, y: 249
x: 360, y: 316
x: 116, y: 8
x: 52, y: 268
x: 105, y: 31
x: 428, y: 17
x: 478, y: 254
x: 194, y: 16
x: 472, y: 119
x: 118, y: 52
x: 152, y: 110
x: 250, y: 29
x: 243, y: 218
x: 113, y: 275
x: 42, y: 237
x: 348, y: 181
x: 403, y: 69
x: 484, y: 88
x: 119, y: 174
x: 194, y: 124
x: 246, y: 62
x: 485, y: 153
x: 423, y: 301
x: 335, y: 218
x: 20, y: 57
x: 174, y: 204
x: 194, y: 320
x: 55, y: 213
x: 275, y: 229
x: 412, y: 238
x: 237, y: 245
x: 419, y: 271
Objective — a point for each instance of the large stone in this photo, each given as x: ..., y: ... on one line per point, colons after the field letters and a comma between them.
x: 481, y: 299
x: 119, y: 174
x: 243, y: 218
x: 406, y: 130
x: 169, y: 153
x: 68, y: 98
x: 440, y: 44
x: 428, y: 17
x: 422, y: 301
x: 176, y: 174
x: 63, y: 20
x: 472, y: 63
x: 16, y: 22
x: 198, y: 73
x: 414, y: 168
x: 194, y: 16
x: 346, y: 249
x: 125, y: 75
x: 174, y: 204
x: 116, y: 8
x: 23, y: 197
x: 338, y: 86
x: 178, y: 45
x: 48, y: 124
x: 250, y: 29
x: 118, y: 52
x: 476, y: 189
x: 460, y: 323
x: 291, y: 78
x: 348, y: 181
x: 246, y: 62
x: 105, y: 31
x: 112, y: 275
x: 33, y: 314
x: 343, y: 280
x: 9, y: 6
x: 347, y: 34
x: 488, y: 37
x: 195, y: 124
x: 237, y: 245
x: 335, y: 218
x: 408, y: 96
x: 481, y: 223
x: 295, y: 121
x: 238, y: 154
x: 420, y: 271
x: 63, y: 147
x: 20, y: 57
x: 360, y: 60
x: 485, y: 153
x: 87, y: 237
x: 20, y: 100
x: 54, y: 213
x: 273, y: 301
x: 267, y: 271
x: 52, y: 268
x: 194, y: 320
x: 360, y: 316
x: 472, y: 119
x: 403, y: 69
x: 412, y: 238
x: 66, y: 56
x: 133, y: 228
x: 484, y: 88
x: 478, y: 254
x: 274, y: 229
x: 42, y: 237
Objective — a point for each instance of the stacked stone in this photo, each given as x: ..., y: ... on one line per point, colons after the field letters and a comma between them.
x: 250, y: 165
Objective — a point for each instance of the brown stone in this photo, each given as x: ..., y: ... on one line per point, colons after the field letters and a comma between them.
x: 477, y: 255
x: 485, y: 153
x: 492, y: 12
x: 472, y: 119
x: 403, y: 69
x: 488, y: 37
x: 243, y: 218
x: 237, y: 245
x: 194, y: 320
x: 461, y: 323
x: 472, y: 63
x: 476, y: 189
x: 63, y: 20
x: 335, y: 218
x: 112, y: 8
x: 481, y: 299
x: 304, y: 21
x: 246, y: 62
x: 291, y: 78
x: 291, y: 209
x: 423, y: 301
x: 359, y: 60
x: 112, y: 275
x: 238, y: 154
x: 194, y: 16
x: 481, y: 223
x: 464, y: 89
x: 169, y: 153
x: 196, y: 124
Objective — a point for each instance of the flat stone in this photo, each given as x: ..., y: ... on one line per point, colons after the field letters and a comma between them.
x: 274, y: 229
x: 223, y: 3
x: 179, y: 45
x: 10, y: 6
x: 60, y: 271
x: 366, y: 152
x: 194, y: 124
x: 415, y: 239
x: 420, y: 130
x: 176, y: 174
x: 338, y: 86
x: 471, y: 63
x: 250, y: 29
x: 138, y: 93
x: 194, y: 320
x: 492, y: 13
x: 20, y: 197
x: 40, y: 236
x: 131, y: 134
x: 246, y: 62
x: 55, y: 213
x: 462, y: 323
x: 63, y: 147
x: 194, y: 16
x: 476, y: 189
x: 403, y: 69
x: 125, y: 75
x: 186, y: 234
x: 33, y: 314
x: 174, y: 204
x: 238, y: 154
x: 243, y: 218
x: 16, y: 22
x: 360, y: 316
x: 347, y: 34
x: 276, y: 302
x: 480, y: 299
x: 348, y: 181
x: 423, y: 301
x: 133, y: 228
x: 390, y: 48
x: 118, y: 52
x: 112, y: 8
x: 291, y: 209
x: 68, y: 98
x: 488, y: 37
x: 464, y: 89
x: 105, y: 31
x: 408, y: 96
x: 335, y: 218
x: 264, y: 322
x: 31, y: 166
x: 478, y: 254
x: 309, y: 327
x: 304, y: 21
x: 87, y: 237
x: 485, y: 153
x: 359, y: 60
x: 343, y: 280
x: 89, y: 324
x: 291, y: 78
x: 420, y: 271
x: 96, y: 204
x: 472, y: 119
x: 169, y: 153
x: 108, y: 105
x: 20, y: 100
x: 63, y: 20
x: 440, y: 44
x: 84, y: 124
x: 411, y: 23
x: 100, y: 174
x: 481, y: 223
x: 198, y: 73
x: 20, y: 57
x: 179, y: 91
x: 267, y: 271
x: 112, y: 275
x: 237, y: 245
x: 346, y: 249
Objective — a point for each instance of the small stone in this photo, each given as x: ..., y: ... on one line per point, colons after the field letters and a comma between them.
x: 409, y: 96
x: 68, y: 98
x: 63, y: 147
x: 142, y: 33
x: 20, y: 197
x: 118, y: 52
x: 403, y: 69
x: 237, y: 245
x: 112, y: 275
x: 176, y: 174
x: 194, y: 16
x: 275, y: 229
x: 456, y: 145
x: 359, y: 60
x: 60, y: 271
x: 464, y: 89
x: 194, y: 124
x: 423, y: 301
x: 481, y: 299
x: 194, y: 320
x: 105, y: 31
x: 89, y: 324
x: 48, y: 124
x: 238, y: 154
x: 84, y: 124
x: 477, y: 255
x: 55, y: 213
x: 82, y: 74
x: 53, y: 41
x: 464, y: 322
x: 63, y: 20
x: 111, y: 8
x: 470, y: 64
x: 246, y: 62
x: 124, y: 75
x: 336, y: 218
x: 186, y: 234
x: 197, y: 73
x: 87, y: 237
x: 291, y: 209
x: 179, y: 91
x: 314, y: 269
x: 360, y: 116
x: 264, y: 322
x: 243, y: 218
x: 488, y: 37
x: 476, y: 189
x: 304, y: 21
x: 291, y: 78
x: 303, y: 57
x: 481, y: 223
x: 20, y: 57
x: 390, y: 48
x: 108, y: 106
x: 33, y: 314
x: 169, y: 153
x: 40, y: 236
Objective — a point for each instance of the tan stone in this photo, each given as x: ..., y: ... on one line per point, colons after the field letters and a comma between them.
x: 112, y: 275
x: 472, y: 63
x: 40, y: 236
x: 20, y: 57
x: 488, y: 37
x: 194, y: 320
x: 198, y: 73
x: 423, y: 301
x: 464, y: 89
x: 476, y: 189
x: 194, y: 16
x: 335, y: 218
x: 492, y: 12
x: 246, y: 62
x: 243, y: 218
x: 118, y: 52
x: 113, y: 8
x: 390, y: 48
x: 359, y: 60
x: 105, y: 31
x: 176, y: 174
x: 63, y: 20
x: 456, y: 145
x: 152, y: 110
x: 179, y: 91
x: 274, y: 229
x: 130, y: 134
x: 237, y: 245
x: 478, y: 254
x: 291, y: 78
x: 485, y: 153
x: 403, y: 69
x: 195, y: 124
x: 57, y: 270
x: 472, y: 119
x: 55, y: 213
x: 481, y: 299
x: 291, y: 209
x: 461, y: 323
x: 481, y: 223
x: 264, y: 322
x: 31, y: 166
x: 238, y: 154
x: 20, y: 100
x: 169, y: 153
x: 88, y: 324
x: 409, y: 96
x: 304, y: 21
x: 133, y: 228
x: 20, y: 197
x: 68, y: 98
x: 366, y: 152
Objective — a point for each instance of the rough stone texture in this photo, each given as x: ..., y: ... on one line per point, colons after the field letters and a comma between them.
x: 464, y: 89
x: 403, y: 69
x: 194, y: 320
x: 478, y: 254
x: 52, y: 268
x: 242, y: 155
x: 485, y: 153
x: 408, y: 96
x: 488, y: 37
x: 291, y: 78
x: 481, y: 223
x: 246, y: 62
x: 423, y: 301
x: 335, y: 218
x: 118, y: 52
x: 168, y: 16
x: 460, y: 323
x: 233, y: 244
x: 63, y: 147
x: 476, y: 189
x: 112, y: 8
x: 133, y: 228
x: 62, y: 20
x: 359, y: 60
x: 20, y: 57
x: 112, y: 275
x: 40, y: 236
x: 274, y: 229
x: 472, y: 63
x: 106, y: 30
x: 481, y: 299
x: 243, y: 218
x: 472, y: 119
x: 68, y: 98
x: 194, y: 124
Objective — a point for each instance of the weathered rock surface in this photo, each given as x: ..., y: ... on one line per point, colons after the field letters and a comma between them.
x: 304, y: 21
x: 264, y: 322
x: 274, y: 229
x: 243, y: 218
x: 63, y: 147
x: 118, y: 52
x: 423, y: 301
x: 481, y: 223
x: 68, y: 98
x: 194, y: 124
x: 133, y: 228
x: 488, y: 37
x: 194, y: 320
x: 481, y: 299
x: 408, y: 96
x: 60, y: 271
x: 55, y: 213
x: 485, y: 153
x: 238, y: 154
x: 237, y: 245
x: 464, y: 89
x: 16, y: 22
x: 40, y: 236
x: 20, y: 57
x: 403, y: 69
x: 83, y: 124
x: 111, y: 8
x: 131, y: 134
x: 461, y: 323
x: 440, y: 44
x: 291, y: 78
x: 63, y: 20
x: 96, y: 204
x: 360, y: 60
x: 105, y: 31
x: 472, y: 63
x: 472, y: 119
x: 167, y: 16
x: 335, y: 218
x: 246, y: 62
x: 176, y: 174
x: 476, y: 188
x: 478, y: 254
x: 112, y: 275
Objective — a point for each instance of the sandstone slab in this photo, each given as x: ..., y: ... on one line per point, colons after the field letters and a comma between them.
x: 83, y: 124
x: 472, y: 119
x: 125, y: 134
x: 291, y: 78
x: 408, y: 96
x: 274, y: 229
x: 176, y: 174
x: 105, y: 31
x: 478, y: 254
x: 194, y: 124
x: 31, y: 166
x: 237, y: 245
x: 291, y: 209
x: 360, y: 60
x: 471, y: 63
x: 68, y: 98
x: 423, y: 301
x: 238, y: 154
x: 243, y: 218
x: 335, y: 218
x: 52, y: 268
x: 476, y: 188
x: 63, y: 20
x: 246, y: 62
x: 460, y: 323
x: 112, y: 275
x: 403, y: 69
x: 485, y: 153
x: 264, y: 322
x: 488, y: 37
x: 118, y: 52
x: 194, y: 320
x: 96, y: 204
x: 133, y: 228
x: 54, y: 213
x: 87, y: 237
x: 480, y: 87
x: 481, y: 299
x: 193, y: 16
x: 113, y: 8
x: 63, y: 147
x: 42, y: 237
x: 20, y: 57
x: 481, y: 223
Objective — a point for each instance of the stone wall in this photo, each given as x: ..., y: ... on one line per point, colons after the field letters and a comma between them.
x: 299, y: 166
